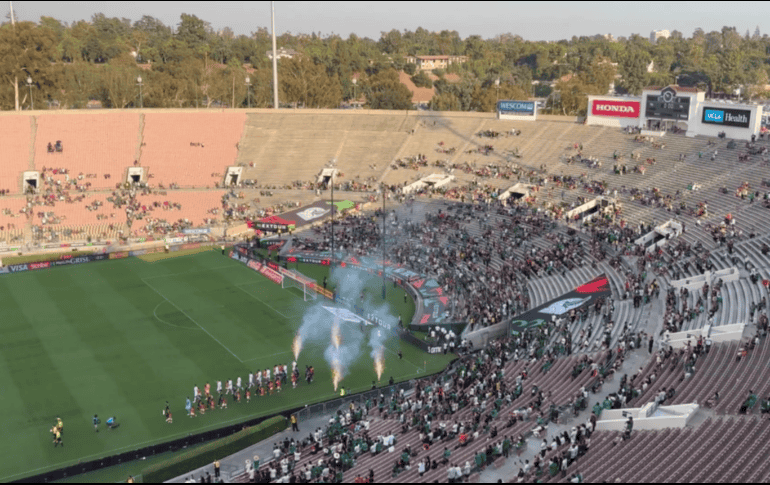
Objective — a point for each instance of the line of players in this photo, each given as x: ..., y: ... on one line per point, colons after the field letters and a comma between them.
x: 262, y: 383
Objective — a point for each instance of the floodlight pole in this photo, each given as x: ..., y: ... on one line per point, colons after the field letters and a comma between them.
x: 32, y: 101
x: 141, y: 98
x: 275, y: 64
x: 331, y: 259
x: 382, y: 190
x: 248, y: 91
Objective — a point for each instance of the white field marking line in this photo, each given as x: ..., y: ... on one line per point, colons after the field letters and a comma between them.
x: 193, y: 320
x: 419, y: 370
x: 264, y: 302
x: 163, y: 321
x: 108, y: 453
x: 188, y: 272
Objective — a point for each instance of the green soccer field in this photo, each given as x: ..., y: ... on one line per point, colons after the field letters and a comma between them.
x: 122, y: 337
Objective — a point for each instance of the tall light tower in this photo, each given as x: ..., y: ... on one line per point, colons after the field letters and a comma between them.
x: 248, y: 92
x: 275, y: 61
x: 382, y: 190
x: 141, y: 98
x: 13, y: 19
x: 32, y: 101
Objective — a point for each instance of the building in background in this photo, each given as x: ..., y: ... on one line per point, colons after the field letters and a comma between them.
x: 282, y: 53
x: 657, y: 34
x: 428, y: 63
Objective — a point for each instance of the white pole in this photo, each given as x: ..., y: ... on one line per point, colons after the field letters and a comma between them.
x: 13, y: 20
x: 275, y: 61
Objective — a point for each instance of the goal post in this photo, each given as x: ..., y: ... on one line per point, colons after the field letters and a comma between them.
x: 292, y: 279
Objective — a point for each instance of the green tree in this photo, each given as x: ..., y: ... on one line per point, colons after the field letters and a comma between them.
x: 119, y: 82
x: 421, y: 80
x: 445, y: 102
x: 385, y: 91
x: 193, y: 31
x: 77, y: 82
x: 633, y: 68
x: 306, y: 83
x: 25, y: 50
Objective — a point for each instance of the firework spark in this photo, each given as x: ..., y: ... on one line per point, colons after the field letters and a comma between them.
x: 297, y: 346
x: 336, y: 336
x: 336, y: 373
x: 379, y: 363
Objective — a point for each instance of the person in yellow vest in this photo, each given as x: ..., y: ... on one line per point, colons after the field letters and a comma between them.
x: 216, y: 470
x: 294, y: 426
x: 130, y: 479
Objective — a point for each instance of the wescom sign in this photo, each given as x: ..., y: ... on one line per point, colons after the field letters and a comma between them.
x: 616, y: 109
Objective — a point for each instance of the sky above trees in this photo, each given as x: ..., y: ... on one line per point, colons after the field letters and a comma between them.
x: 530, y: 20
x: 188, y: 63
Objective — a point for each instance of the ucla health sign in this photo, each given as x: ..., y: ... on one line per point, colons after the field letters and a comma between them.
x: 516, y: 107
x: 726, y: 117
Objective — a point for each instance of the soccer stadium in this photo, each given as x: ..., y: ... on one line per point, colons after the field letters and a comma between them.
x: 370, y: 295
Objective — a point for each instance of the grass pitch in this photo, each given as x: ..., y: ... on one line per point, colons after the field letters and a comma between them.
x: 120, y: 338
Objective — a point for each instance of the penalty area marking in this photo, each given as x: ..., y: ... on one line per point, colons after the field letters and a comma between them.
x: 193, y: 320
x: 155, y: 314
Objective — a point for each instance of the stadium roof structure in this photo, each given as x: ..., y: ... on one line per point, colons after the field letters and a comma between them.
x: 675, y: 87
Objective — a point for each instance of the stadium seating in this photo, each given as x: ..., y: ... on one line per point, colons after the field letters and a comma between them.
x: 556, y: 380
x: 195, y: 207
x: 15, y: 153
x: 187, y: 148
x: 725, y: 450
x: 98, y: 146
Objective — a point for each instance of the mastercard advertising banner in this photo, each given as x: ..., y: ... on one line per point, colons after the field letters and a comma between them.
x: 616, y: 109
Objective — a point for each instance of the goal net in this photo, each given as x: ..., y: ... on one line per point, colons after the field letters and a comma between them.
x: 293, y: 279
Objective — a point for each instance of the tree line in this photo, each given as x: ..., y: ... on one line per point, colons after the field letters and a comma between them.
x: 54, y: 65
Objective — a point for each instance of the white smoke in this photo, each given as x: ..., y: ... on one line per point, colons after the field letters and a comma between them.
x: 317, y: 322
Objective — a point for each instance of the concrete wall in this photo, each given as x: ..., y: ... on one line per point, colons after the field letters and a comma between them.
x: 722, y: 333
x: 665, y: 417
x: 696, y: 282
x: 285, y: 111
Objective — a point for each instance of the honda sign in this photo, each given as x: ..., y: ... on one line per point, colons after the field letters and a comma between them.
x: 616, y: 109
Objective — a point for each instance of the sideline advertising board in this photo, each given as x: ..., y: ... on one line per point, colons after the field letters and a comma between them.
x: 616, y: 109
x: 739, y: 118
x: 63, y: 261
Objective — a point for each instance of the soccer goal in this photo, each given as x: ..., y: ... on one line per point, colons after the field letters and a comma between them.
x: 293, y: 279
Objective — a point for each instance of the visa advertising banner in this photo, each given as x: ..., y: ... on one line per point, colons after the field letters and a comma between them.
x: 726, y: 117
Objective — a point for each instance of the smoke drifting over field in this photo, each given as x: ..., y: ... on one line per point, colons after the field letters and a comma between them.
x: 345, y: 338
